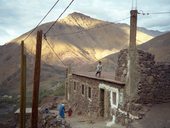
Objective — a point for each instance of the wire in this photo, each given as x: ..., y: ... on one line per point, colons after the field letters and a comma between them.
x: 96, y: 27
x: 148, y: 13
x: 41, y: 20
x: 81, y: 28
x: 159, y: 13
x: 54, y: 52
x: 88, y: 34
x: 59, y: 17
x: 72, y: 51
x: 29, y: 52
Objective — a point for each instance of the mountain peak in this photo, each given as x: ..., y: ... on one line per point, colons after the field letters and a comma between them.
x: 80, y: 19
x: 78, y: 15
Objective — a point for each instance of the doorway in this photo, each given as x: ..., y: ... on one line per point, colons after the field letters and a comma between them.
x: 102, y: 92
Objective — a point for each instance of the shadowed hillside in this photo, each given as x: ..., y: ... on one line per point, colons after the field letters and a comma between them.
x: 159, y: 46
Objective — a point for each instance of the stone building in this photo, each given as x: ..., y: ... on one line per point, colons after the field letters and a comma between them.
x: 93, y: 96
x: 106, y: 96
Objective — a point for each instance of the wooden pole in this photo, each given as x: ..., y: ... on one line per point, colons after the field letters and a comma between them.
x: 23, y: 87
x: 37, y: 68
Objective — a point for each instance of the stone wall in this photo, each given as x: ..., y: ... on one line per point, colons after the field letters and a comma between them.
x: 91, y: 107
x: 162, y: 83
x: 154, y: 84
x: 81, y: 103
x: 145, y: 66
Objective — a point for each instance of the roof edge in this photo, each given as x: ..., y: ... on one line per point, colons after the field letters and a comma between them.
x: 101, y: 79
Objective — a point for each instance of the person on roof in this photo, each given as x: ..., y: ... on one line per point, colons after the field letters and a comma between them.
x: 99, y: 69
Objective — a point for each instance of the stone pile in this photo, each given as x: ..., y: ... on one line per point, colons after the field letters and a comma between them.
x: 52, y: 120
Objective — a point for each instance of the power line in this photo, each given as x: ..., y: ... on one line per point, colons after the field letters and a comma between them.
x: 75, y: 33
x: 50, y: 48
x: 41, y: 20
x: 72, y: 51
x: 67, y: 47
x: 31, y: 54
x: 96, y: 27
x: 148, y: 13
x: 82, y: 30
x: 159, y: 12
x: 54, y: 52
x: 59, y: 17
x: 87, y: 33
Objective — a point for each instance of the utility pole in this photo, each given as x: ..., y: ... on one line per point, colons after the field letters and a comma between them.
x: 133, y: 74
x: 23, y: 87
x: 37, y: 68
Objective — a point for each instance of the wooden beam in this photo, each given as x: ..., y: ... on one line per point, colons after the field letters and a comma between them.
x: 23, y: 87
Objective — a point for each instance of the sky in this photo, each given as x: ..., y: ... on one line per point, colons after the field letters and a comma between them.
x: 20, y: 16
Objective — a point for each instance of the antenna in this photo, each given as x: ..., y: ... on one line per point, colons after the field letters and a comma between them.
x: 132, y: 5
x: 136, y: 3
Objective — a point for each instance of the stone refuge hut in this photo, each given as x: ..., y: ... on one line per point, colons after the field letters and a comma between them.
x: 106, y: 97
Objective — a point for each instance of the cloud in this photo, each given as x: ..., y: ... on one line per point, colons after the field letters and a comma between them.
x: 19, y: 16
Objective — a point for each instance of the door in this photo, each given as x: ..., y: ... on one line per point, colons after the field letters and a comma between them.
x: 102, y: 92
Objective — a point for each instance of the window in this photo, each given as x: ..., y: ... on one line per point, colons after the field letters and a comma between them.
x: 89, y: 92
x: 82, y: 89
x: 75, y: 85
x: 114, y: 97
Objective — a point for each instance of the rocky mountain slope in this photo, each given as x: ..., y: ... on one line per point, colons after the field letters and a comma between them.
x: 77, y: 39
x: 80, y: 36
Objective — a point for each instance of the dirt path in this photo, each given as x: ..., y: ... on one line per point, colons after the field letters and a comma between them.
x: 83, y: 122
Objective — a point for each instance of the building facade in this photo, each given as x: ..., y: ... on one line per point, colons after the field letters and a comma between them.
x: 92, y: 96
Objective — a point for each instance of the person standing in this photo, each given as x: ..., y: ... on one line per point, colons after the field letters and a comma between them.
x: 62, y: 111
x: 99, y: 69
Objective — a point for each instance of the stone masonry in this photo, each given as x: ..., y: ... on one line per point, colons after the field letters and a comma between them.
x: 92, y: 107
x: 153, y: 86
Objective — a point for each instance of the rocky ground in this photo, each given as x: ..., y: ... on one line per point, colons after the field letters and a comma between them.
x: 52, y: 120
x: 157, y: 117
